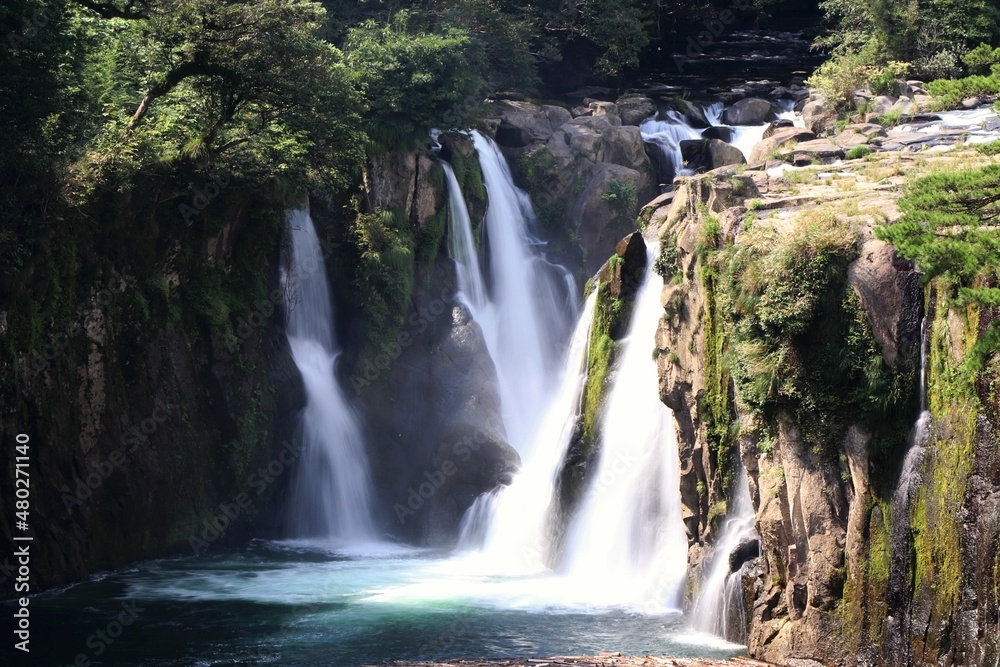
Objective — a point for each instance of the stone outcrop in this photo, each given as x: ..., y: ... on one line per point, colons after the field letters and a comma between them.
x: 587, y: 182
x: 748, y: 111
x: 777, y: 139
x: 822, y: 590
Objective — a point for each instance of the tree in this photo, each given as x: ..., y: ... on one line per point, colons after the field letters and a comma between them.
x: 951, y: 228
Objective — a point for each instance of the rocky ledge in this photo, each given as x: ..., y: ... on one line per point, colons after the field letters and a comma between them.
x: 600, y: 660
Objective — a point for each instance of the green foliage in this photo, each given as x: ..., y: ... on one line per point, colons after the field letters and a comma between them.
x: 620, y: 196
x: 385, y: 273
x: 927, y: 33
x: 414, y: 78
x: 992, y: 148
x: 949, y: 92
x: 890, y: 118
x: 858, y: 152
x: 844, y: 73
x: 949, y: 228
x: 665, y: 263
x: 980, y: 59
x: 801, y: 346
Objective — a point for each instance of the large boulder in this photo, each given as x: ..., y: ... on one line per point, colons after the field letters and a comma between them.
x: 819, y: 116
x: 710, y: 154
x: 633, y: 109
x: 749, y: 111
x: 523, y: 123
x: 693, y: 113
x: 778, y: 139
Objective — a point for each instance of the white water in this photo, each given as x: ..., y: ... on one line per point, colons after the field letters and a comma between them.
x: 719, y: 597
x: 530, y: 306
x: 462, y: 248
x: 667, y: 135
x: 627, y: 543
x: 674, y: 128
x: 512, y: 526
x: 525, y: 318
x: 971, y: 121
x: 330, y: 495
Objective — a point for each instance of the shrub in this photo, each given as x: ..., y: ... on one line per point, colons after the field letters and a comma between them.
x: 941, y: 65
x: 991, y: 148
x: 620, y: 196
x: 858, y: 152
x: 980, y: 59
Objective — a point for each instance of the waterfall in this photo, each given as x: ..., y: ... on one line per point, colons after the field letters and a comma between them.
x: 668, y: 130
x: 719, y: 607
x: 531, y: 302
x: 462, y: 248
x: 667, y: 135
x: 627, y: 543
x: 524, y: 310
x: 511, y: 525
x: 330, y: 495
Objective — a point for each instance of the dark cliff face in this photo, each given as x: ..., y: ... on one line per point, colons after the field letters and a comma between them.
x: 849, y: 572
x: 151, y: 412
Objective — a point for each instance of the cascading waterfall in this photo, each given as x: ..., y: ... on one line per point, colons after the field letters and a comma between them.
x: 667, y: 134
x: 524, y: 316
x: 901, y: 499
x: 512, y: 524
x: 462, y: 247
x: 719, y: 607
x: 627, y: 543
x: 531, y: 302
x: 669, y: 129
x: 330, y: 495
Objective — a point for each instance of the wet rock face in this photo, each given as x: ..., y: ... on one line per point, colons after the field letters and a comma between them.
x: 588, y: 174
x: 749, y: 111
x: 889, y: 287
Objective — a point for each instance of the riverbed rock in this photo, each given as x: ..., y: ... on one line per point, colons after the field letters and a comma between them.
x: 633, y: 109
x: 779, y: 138
x: 749, y: 111
x: 819, y: 116
x: 522, y: 123
x: 776, y: 125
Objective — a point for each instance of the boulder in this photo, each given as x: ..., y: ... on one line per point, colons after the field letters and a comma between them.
x: 718, y: 132
x: 721, y: 154
x: 633, y: 109
x: 817, y: 150
x: 778, y: 139
x: 868, y: 129
x: 693, y: 113
x: 524, y: 123
x: 881, y: 104
x: 819, y: 116
x: 904, y: 106
x: 607, y: 109
x: 848, y: 139
x: 624, y: 278
x: 749, y: 111
x: 777, y: 125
